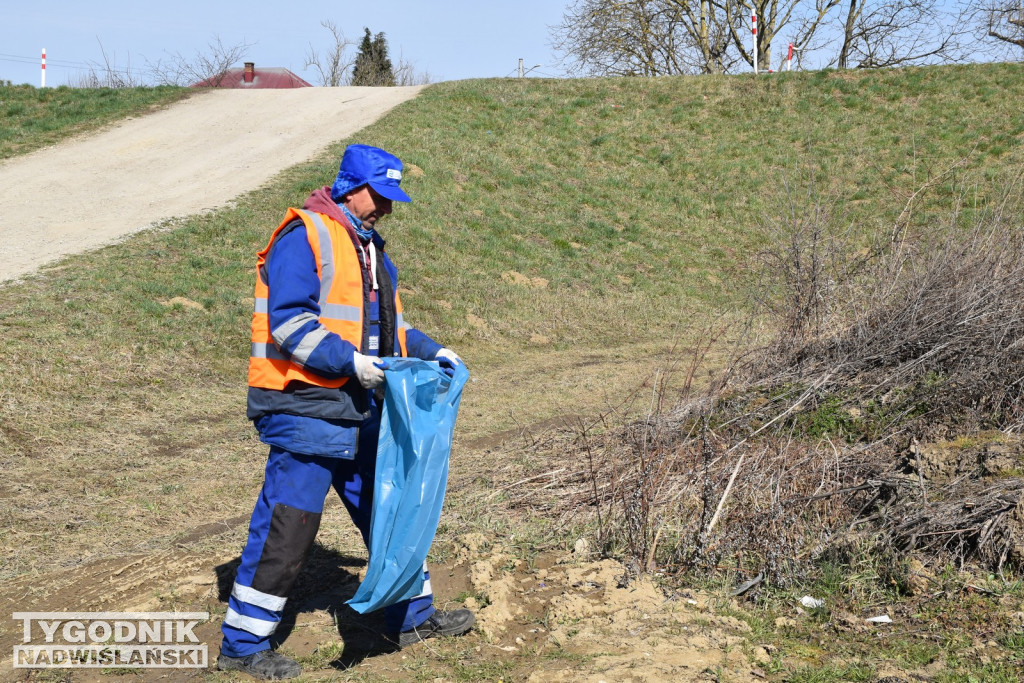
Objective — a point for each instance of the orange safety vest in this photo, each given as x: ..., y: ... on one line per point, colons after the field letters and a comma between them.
x: 341, y: 303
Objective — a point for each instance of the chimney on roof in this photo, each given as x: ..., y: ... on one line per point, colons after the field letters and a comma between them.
x: 250, y: 72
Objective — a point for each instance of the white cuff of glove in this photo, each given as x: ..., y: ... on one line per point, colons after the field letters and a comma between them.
x: 368, y: 374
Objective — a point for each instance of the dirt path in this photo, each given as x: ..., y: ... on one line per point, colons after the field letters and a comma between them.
x: 193, y: 156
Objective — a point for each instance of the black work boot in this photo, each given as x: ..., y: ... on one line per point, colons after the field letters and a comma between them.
x: 453, y: 623
x: 266, y: 665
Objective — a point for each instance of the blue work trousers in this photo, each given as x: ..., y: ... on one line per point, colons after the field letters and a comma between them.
x: 283, y: 526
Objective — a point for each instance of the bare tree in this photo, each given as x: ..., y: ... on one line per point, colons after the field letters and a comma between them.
x: 1004, y: 21
x: 885, y: 33
x: 853, y: 11
x: 209, y: 67
x: 666, y: 37
x: 622, y: 38
x: 645, y: 37
x: 705, y: 24
x: 333, y: 64
x: 803, y: 17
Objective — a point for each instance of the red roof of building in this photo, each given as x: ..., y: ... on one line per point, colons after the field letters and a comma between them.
x: 251, y: 77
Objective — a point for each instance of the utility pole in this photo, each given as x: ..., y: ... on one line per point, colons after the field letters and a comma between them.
x: 523, y: 70
x: 43, y: 77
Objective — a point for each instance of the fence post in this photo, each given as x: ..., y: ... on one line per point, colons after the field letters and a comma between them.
x: 753, y: 23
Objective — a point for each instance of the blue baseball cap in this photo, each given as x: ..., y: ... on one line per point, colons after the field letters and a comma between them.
x: 365, y: 165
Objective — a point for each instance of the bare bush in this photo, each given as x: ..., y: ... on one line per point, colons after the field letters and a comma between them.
x: 407, y: 74
x: 209, y: 66
x: 939, y: 341
x: 108, y: 74
x: 815, y: 435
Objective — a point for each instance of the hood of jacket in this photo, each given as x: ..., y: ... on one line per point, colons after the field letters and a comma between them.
x: 320, y: 201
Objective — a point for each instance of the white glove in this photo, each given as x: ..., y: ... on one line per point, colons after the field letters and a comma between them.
x: 368, y: 374
x: 448, y: 360
x: 449, y: 354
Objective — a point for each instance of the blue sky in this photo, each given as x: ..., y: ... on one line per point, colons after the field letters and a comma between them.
x: 450, y: 40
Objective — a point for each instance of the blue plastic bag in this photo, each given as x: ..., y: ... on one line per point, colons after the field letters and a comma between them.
x: 421, y: 403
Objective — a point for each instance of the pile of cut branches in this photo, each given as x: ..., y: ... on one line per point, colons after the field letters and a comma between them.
x: 815, y: 435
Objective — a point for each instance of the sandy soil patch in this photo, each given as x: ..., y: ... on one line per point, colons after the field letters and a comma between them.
x: 566, y: 617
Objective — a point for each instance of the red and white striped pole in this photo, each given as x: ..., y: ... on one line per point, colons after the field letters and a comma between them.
x: 43, y: 84
x: 753, y: 23
x: 789, y: 58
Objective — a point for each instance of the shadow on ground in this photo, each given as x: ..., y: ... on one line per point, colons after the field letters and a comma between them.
x: 328, y: 579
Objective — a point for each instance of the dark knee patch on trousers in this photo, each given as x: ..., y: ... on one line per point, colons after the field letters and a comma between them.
x: 291, y: 535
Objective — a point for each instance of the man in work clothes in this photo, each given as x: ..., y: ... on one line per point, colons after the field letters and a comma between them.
x: 327, y: 311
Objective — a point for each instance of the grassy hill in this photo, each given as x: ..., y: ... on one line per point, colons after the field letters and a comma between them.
x: 564, y: 236
x: 642, y: 202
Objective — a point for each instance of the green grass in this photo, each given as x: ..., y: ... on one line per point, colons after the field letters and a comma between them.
x: 641, y: 202
x: 31, y: 118
x: 954, y: 633
x: 634, y: 209
x: 830, y: 673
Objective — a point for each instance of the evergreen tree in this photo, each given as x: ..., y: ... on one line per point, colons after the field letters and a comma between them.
x: 372, y: 65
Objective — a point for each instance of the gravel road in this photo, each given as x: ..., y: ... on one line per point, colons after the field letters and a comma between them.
x: 193, y: 156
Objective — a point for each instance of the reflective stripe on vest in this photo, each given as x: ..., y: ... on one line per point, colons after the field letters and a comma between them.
x: 340, y: 300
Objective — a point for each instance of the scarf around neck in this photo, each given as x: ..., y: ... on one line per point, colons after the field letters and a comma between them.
x: 365, y: 234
